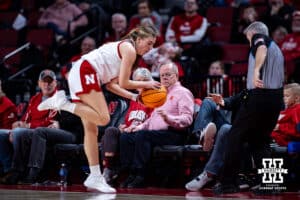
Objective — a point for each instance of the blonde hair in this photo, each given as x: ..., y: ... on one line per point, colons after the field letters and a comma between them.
x: 295, y: 90
x: 142, y: 32
x: 290, y: 85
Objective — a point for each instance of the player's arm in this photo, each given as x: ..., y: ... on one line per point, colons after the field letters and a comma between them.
x: 115, y: 88
x: 128, y: 54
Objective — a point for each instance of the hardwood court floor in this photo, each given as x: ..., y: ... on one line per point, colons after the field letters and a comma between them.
x: 78, y: 192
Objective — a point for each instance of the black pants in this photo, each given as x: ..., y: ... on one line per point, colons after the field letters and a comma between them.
x: 34, y: 146
x: 136, y: 148
x: 254, y: 123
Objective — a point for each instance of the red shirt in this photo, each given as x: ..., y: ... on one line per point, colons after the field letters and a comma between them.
x: 182, y: 25
x: 290, y: 46
x: 8, y: 113
x: 35, y: 117
x: 137, y: 112
x: 287, y: 126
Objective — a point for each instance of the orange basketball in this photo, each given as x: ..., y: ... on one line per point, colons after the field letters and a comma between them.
x: 153, y: 98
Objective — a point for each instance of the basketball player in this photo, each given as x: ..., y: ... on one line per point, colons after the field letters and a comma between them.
x: 110, y: 64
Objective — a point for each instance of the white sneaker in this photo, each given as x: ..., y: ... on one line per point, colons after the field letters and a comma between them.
x: 55, y: 102
x: 209, y: 136
x: 199, y: 182
x: 98, y: 183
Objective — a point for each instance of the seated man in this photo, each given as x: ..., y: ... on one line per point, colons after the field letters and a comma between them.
x: 33, y: 145
x: 208, y: 114
x: 136, y: 114
x: 32, y: 118
x: 166, y: 126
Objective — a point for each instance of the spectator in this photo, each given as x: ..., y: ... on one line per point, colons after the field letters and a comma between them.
x: 166, y: 126
x: 8, y: 111
x: 30, y: 157
x: 144, y: 9
x: 213, y: 118
x: 136, y: 114
x: 216, y: 68
x: 58, y: 15
x: 279, y: 34
x: 119, y: 28
x: 88, y: 44
x: 216, y: 79
x: 247, y: 16
x: 187, y: 28
x: 287, y: 128
x: 32, y: 118
x: 290, y: 47
x: 163, y: 54
x: 279, y: 13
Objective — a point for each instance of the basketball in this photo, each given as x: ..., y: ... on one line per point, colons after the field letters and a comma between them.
x: 154, y: 98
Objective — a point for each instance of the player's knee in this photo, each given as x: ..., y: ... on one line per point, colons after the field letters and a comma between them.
x: 103, y: 120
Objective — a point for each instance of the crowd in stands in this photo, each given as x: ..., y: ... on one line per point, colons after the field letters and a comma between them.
x: 188, y: 58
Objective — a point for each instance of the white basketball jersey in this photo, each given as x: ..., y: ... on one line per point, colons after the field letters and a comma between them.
x: 106, y: 61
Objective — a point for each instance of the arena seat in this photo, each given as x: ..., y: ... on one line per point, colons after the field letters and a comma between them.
x: 8, y: 37
x: 221, y: 15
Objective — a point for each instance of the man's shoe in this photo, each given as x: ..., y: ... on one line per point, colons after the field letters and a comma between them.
x: 32, y: 176
x: 55, y: 102
x: 209, y: 136
x: 129, y: 179
x: 98, y: 183
x: 110, y: 175
x: 138, y: 182
x: 10, y: 178
x: 199, y: 182
x: 220, y: 188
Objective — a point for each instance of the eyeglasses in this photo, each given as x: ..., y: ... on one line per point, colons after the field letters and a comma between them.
x: 167, y: 75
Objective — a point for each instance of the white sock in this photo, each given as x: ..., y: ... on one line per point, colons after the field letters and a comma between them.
x: 69, y: 106
x: 95, y: 170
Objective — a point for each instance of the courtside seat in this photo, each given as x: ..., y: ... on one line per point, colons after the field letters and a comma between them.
x: 168, y: 150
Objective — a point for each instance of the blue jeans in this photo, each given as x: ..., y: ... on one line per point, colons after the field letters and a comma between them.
x: 210, y: 113
x: 215, y: 162
x: 7, y: 148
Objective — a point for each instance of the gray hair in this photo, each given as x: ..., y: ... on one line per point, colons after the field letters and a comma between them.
x: 143, y: 72
x: 174, y: 67
x: 257, y: 27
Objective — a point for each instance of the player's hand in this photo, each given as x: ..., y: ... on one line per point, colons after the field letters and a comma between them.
x: 154, y: 85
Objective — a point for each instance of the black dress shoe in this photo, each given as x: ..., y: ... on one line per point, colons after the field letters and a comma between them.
x: 129, y: 179
x: 32, y: 176
x: 138, y: 182
x: 10, y: 178
x: 225, y: 189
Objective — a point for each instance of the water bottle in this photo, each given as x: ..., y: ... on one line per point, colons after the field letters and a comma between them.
x: 63, y: 174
